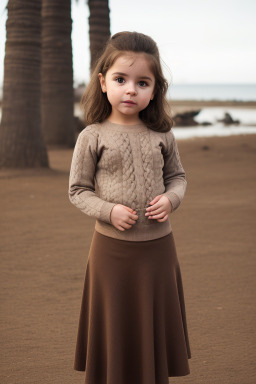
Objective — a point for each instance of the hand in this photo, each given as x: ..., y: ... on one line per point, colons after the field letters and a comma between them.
x: 123, y: 217
x: 160, y: 208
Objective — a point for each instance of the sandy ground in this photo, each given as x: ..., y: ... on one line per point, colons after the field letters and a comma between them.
x: 44, y: 247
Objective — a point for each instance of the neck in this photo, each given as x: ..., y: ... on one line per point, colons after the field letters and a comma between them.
x: 127, y: 128
x: 124, y: 120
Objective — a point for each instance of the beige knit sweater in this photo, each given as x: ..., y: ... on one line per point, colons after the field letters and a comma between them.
x: 129, y: 165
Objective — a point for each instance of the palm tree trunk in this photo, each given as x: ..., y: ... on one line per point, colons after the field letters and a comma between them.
x: 21, y: 139
x: 99, y: 28
x: 57, y: 73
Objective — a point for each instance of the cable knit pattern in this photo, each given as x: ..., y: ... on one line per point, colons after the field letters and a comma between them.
x: 108, y: 187
x: 128, y: 173
x: 130, y: 165
x: 147, y: 164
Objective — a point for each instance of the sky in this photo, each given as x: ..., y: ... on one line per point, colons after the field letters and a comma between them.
x: 200, y: 41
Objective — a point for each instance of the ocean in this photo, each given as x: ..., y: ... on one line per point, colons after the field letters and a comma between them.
x: 238, y: 92
x: 246, y: 116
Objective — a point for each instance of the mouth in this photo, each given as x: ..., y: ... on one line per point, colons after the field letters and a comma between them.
x: 130, y: 102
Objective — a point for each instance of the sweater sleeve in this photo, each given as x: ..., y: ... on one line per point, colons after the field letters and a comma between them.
x: 81, y: 180
x: 173, y: 173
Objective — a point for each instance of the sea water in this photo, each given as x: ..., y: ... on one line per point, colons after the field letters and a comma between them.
x: 246, y: 116
x: 238, y: 92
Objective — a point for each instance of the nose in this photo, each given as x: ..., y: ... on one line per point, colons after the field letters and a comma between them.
x: 131, y: 89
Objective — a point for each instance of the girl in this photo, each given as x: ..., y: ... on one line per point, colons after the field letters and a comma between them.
x: 126, y: 172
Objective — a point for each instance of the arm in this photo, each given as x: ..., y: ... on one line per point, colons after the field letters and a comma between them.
x: 81, y: 180
x: 173, y: 173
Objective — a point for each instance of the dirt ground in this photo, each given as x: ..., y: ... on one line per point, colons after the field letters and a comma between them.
x: 44, y: 247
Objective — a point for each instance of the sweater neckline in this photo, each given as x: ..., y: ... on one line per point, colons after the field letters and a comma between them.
x: 133, y: 128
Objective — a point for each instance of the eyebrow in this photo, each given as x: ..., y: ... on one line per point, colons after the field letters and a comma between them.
x: 125, y: 74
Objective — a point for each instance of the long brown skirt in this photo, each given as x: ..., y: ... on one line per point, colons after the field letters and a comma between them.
x: 132, y: 327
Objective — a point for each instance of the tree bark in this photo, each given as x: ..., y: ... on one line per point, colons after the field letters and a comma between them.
x: 21, y: 139
x: 99, y: 28
x: 57, y: 73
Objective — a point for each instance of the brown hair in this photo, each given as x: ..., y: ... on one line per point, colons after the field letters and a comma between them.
x: 97, y: 108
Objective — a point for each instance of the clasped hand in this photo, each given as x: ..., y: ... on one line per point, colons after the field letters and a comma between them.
x: 123, y: 217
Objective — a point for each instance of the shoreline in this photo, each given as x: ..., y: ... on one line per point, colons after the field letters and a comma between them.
x: 180, y: 106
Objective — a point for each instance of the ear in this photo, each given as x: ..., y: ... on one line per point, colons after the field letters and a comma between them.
x: 102, y: 83
x: 152, y: 97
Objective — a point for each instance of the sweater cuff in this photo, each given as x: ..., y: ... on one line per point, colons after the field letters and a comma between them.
x: 105, y: 211
x: 174, y: 199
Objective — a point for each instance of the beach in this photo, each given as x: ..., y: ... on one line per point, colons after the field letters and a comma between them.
x: 44, y: 247
x: 185, y: 105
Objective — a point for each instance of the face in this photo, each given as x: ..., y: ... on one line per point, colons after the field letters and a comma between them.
x: 129, y: 85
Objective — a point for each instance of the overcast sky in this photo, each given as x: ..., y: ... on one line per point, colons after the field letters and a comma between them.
x: 200, y: 41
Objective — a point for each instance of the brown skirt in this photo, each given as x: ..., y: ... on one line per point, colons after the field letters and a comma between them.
x: 132, y: 327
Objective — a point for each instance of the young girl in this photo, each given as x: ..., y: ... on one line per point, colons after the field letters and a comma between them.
x: 126, y: 172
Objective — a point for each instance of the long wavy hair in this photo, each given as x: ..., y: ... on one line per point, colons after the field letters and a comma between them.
x: 157, y: 115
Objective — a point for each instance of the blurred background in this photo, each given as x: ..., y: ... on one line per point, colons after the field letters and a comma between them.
x: 47, y: 49
x: 207, y: 51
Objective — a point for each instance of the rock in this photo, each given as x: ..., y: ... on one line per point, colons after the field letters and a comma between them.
x: 186, y: 118
x: 206, y: 123
x: 228, y: 119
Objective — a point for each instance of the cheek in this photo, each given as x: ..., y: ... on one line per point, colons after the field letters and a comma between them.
x: 113, y: 92
x: 112, y: 96
x: 146, y: 97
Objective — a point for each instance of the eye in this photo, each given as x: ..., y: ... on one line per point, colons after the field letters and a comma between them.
x: 143, y: 83
x: 120, y: 80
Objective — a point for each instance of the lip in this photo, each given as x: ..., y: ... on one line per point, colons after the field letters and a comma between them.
x: 129, y: 102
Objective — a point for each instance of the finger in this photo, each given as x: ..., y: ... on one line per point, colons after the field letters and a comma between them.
x: 129, y: 209
x: 155, y: 206
x: 163, y: 219
x: 154, y: 212
x: 155, y: 199
x: 120, y: 228
x: 160, y: 216
x: 130, y: 221
x: 133, y: 217
x: 126, y: 225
